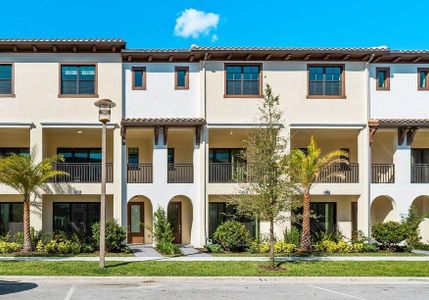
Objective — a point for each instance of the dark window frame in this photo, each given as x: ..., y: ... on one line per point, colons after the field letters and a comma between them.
x: 71, y: 213
x: 342, y: 81
x: 12, y: 80
x: 73, y: 150
x: 10, y: 214
x: 420, y: 70
x: 386, y: 86
x: 176, y: 78
x: 78, y: 95
x: 133, y: 71
x: 16, y: 150
x: 242, y: 65
x: 134, y: 155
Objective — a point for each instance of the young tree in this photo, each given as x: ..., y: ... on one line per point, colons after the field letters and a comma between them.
x: 305, y: 169
x: 269, y: 194
x: 29, y: 178
x: 162, y: 233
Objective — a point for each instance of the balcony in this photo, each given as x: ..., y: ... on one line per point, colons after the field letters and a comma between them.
x: 383, y: 173
x: 230, y: 173
x: 180, y: 173
x: 141, y: 173
x: 83, y: 172
x: 420, y: 173
x: 349, y: 173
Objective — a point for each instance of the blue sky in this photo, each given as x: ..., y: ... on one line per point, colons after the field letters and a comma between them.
x: 181, y: 23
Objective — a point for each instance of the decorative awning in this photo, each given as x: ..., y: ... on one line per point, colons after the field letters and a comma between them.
x: 407, y: 128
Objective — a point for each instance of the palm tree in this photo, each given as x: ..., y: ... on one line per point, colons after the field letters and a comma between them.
x: 305, y: 169
x: 28, y: 177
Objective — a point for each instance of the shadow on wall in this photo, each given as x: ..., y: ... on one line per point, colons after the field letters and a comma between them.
x: 10, y: 287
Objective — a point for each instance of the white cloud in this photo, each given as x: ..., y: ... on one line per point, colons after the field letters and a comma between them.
x: 194, y: 23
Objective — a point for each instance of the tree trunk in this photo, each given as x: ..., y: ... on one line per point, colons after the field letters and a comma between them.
x: 272, y: 243
x: 306, y: 232
x: 27, y: 236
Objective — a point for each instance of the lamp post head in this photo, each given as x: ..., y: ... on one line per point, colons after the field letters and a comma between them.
x: 104, y: 109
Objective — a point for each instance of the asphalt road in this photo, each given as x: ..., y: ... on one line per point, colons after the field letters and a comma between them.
x: 213, y: 288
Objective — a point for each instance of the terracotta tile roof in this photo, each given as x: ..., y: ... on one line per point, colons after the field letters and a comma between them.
x: 294, y: 49
x: 398, y: 122
x: 149, y: 122
x: 42, y: 40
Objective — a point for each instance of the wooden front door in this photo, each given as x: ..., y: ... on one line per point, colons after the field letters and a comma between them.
x: 175, y: 219
x: 136, y: 222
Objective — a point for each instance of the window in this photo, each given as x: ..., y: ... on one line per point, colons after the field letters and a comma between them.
x: 220, y: 212
x: 80, y: 155
x: 243, y: 80
x: 75, y: 216
x: 18, y: 151
x: 326, y: 82
x: 170, y: 156
x: 133, y: 156
x: 6, y: 80
x: 323, y: 217
x: 423, y: 78
x: 78, y: 80
x: 217, y: 155
x: 182, y: 78
x: 139, y: 78
x: 383, y: 79
x: 11, y: 217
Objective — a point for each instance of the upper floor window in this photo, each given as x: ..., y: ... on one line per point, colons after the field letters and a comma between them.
x: 6, y: 80
x: 182, y: 78
x: 326, y: 81
x: 133, y: 156
x: 423, y: 78
x: 139, y: 78
x: 243, y: 80
x: 383, y: 79
x: 78, y: 80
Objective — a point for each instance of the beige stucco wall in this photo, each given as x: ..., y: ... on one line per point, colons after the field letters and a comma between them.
x: 383, y: 147
x: 182, y: 141
x: 14, y: 137
x: 289, y: 80
x: 144, y: 140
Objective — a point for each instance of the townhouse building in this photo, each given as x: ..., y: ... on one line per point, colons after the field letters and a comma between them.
x: 47, y: 94
x: 178, y: 128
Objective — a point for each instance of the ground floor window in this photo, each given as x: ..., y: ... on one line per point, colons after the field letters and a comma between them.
x: 11, y: 217
x: 323, y: 217
x: 75, y: 216
x: 219, y: 212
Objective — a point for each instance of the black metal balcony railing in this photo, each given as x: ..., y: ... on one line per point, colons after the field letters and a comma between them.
x: 346, y: 173
x: 383, y: 173
x: 420, y: 173
x: 180, y: 173
x: 141, y: 173
x: 83, y: 172
x: 230, y: 173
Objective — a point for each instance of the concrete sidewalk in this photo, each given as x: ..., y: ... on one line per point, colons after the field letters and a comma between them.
x: 223, y: 258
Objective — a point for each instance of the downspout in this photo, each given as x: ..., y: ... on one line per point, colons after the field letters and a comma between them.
x: 369, y: 150
x: 205, y: 151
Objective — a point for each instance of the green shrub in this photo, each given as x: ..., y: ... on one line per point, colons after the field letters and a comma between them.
x: 215, y: 248
x: 40, y: 247
x: 9, y: 247
x: 370, y: 248
x: 67, y: 247
x: 411, y: 222
x: 253, y: 247
x: 283, y: 247
x: 51, y: 246
x: 292, y: 236
x: 339, y: 247
x: 264, y: 247
x: 421, y: 246
x: 115, y: 236
x: 162, y: 233
x: 232, y: 235
x: 389, y: 234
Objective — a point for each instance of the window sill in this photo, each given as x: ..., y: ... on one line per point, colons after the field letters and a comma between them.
x: 423, y: 90
x: 7, y: 95
x: 243, y: 96
x: 382, y: 90
x: 326, y: 97
x: 77, y: 96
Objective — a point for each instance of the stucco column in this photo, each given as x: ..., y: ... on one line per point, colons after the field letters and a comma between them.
x: 402, y: 161
x: 364, y: 167
x: 160, y: 161
x: 36, y: 140
x: 117, y: 177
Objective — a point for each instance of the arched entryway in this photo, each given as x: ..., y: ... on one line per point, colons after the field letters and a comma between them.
x: 421, y: 204
x: 382, y: 210
x: 139, y: 216
x: 180, y: 216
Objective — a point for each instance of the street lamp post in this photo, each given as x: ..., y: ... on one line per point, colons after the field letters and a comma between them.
x: 104, y: 113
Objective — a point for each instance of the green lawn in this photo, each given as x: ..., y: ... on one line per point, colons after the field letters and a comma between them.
x: 37, y: 254
x: 381, y: 253
x: 165, y: 268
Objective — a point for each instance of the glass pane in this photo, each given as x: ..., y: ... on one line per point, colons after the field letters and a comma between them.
x: 423, y: 79
x: 5, y: 79
x: 181, y: 78
x: 95, y: 155
x: 381, y: 79
x: 61, y: 216
x: 138, y: 78
x: 5, y: 71
x: 135, y: 218
x: 133, y: 156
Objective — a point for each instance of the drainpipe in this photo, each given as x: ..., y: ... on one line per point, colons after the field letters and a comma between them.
x: 369, y: 152
x: 205, y: 151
